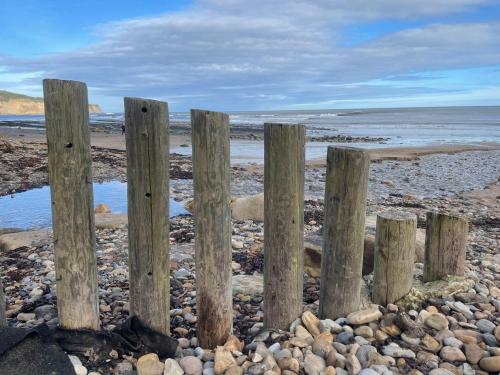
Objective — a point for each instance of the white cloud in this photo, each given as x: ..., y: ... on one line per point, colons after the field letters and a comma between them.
x: 233, y: 55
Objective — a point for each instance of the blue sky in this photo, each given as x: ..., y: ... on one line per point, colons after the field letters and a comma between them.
x: 288, y: 54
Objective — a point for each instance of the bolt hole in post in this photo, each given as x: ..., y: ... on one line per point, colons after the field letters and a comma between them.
x: 69, y: 145
x: 148, y: 195
x: 144, y: 109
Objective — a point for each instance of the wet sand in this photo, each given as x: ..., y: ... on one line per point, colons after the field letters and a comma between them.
x: 114, y: 141
x: 413, y: 153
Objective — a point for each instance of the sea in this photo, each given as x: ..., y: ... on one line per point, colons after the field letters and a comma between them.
x: 400, y: 127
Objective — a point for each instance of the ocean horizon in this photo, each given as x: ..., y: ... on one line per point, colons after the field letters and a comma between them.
x: 401, y: 126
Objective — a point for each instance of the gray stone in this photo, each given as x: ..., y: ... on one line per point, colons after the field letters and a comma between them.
x: 394, y: 350
x: 490, y: 339
x: 410, y: 340
x: 328, y: 325
x: 368, y: 371
x: 24, y: 317
x: 29, y: 238
x: 361, y: 340
x: 248, y: 284
x: 183, y: 342
x: 172, y: 367
x: 313, y: 364
x: 283, y: 353
x: 440, y: 371
x: 191, y: 365
x: 485, y: 326
x: 257, y: 369
x: 125, y: 368
x: 344, y: 338
x: 461, y: 308
x: 467, y: 369
x: 182, y: 273
x: 363, y: 352
x: 380, y: 369
x: 452, y: 341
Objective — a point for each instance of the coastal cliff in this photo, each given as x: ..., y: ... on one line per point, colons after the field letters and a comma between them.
x: 17, y: 104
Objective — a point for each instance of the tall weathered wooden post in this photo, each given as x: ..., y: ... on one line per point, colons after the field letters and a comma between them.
x: 394, y: 256
x: 445, y: 243
x: 3, y: 318
x: 70, y: 178
x: 212, y: 215
x: 283, y: 223
x: 146, y: 124
x: 343, y: 231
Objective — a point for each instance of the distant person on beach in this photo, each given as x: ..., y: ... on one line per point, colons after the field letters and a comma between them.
x: 123, y: 129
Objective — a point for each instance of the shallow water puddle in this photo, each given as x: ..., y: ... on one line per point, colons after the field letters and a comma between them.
x: 31, y: 209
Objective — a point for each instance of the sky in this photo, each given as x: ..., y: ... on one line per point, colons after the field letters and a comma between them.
x: 232, y: 55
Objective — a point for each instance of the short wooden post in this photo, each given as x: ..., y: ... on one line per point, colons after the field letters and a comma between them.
x: 3, y: 317
x: 70, y: 178
x: 394, y: 256
x: 146, y: 124
x: 445, y: 242
x: 283, y: 223
x: 343, y: 231
x: 212, y: 215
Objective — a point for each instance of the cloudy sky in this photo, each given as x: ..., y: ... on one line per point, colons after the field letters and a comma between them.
x: 258, y: 54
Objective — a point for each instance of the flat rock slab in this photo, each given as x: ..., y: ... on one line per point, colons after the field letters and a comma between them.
x: 248, y: 284
x: 314, y: 242
x: 16, y: 240
x: 110, y: 221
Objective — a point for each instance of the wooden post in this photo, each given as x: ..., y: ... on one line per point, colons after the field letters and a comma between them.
x: 70, y: 178
x: 146, y: 124
x: 343, y: 231
x: 3, y: 317
x: 445, y: 242
x: 283, y: 224
x: 212, y: 215
x: 394, y: 256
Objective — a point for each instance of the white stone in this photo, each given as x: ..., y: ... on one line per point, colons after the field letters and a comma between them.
x: 172, y: 367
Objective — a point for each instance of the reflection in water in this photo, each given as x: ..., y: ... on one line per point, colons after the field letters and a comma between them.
x: 31, y: 209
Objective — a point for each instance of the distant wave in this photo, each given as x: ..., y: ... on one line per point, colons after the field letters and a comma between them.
x: 349, y: 113
x: 329, y: 115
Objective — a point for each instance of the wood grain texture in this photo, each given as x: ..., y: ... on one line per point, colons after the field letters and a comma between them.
x: 212, y: 215
x: 146, y: 124
x: 343, y: 231
x: 445, y: 243
x: 394, y: 256
x: 283, y: 223
x: 3, y: 317
x: 70, y: 178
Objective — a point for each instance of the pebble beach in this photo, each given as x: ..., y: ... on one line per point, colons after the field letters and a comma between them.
x: 448, y: 328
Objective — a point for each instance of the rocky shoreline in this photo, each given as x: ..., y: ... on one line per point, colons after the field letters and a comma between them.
x: 455, y: 333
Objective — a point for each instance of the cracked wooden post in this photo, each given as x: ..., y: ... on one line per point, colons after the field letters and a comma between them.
x: 343, y: 231
x: 3, y: 317
x: 212, y: 215
x: 283, y: 224
x: 70, y: 178
x: 146, y: 124
x: 394, y: 256
x: 445, y: 242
